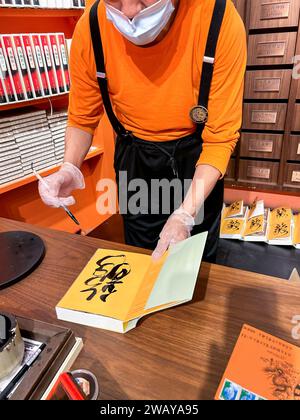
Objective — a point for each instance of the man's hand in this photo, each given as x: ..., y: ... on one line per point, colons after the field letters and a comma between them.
x: 177, y: 228
x: 57, y: 188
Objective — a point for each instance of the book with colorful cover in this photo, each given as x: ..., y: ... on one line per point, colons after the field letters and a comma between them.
x: 63, y: 52
x: 262, y: 367
x: 49, y: 64
x: 6, y: 76
x: 13, y: 67
x: 23, y: 66
x: 55, y: 56
x: 41, y: 65
x: 32, y: 65
x: 117, y: 287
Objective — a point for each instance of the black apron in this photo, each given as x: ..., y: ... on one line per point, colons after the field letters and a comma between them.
x: 169, y: 160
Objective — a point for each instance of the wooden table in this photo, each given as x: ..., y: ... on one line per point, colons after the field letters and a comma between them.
x: 180, y: 353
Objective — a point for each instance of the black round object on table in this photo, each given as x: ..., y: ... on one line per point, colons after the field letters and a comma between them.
x: 20, y: 254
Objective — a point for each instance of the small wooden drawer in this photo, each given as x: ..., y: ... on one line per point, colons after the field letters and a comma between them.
x: 230, y: 173
x: 268, y: 84
x: 296, y: 118
x: 264, y: 116
x: 292, y: 175
x: 257, y: 145
x: 268, y: 49
x: 258, y: 172
x: 274, y: 13
x: 294, y: 148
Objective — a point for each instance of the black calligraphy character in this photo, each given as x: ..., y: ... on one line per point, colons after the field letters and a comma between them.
x: 233, y: 225
x: 107, y: 270
x: 255, y: 224
x: 281, y: 229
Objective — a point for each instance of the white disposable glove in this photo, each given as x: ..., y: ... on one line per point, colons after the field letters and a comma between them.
x: 60, y: 186
x: 177, y: 228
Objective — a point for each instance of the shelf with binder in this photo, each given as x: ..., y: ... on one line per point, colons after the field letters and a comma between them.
x: 56, y: 100
x: 15, y: 12
x: 20, y: 199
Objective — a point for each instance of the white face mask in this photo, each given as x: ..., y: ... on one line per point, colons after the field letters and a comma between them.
x: 145, y: 27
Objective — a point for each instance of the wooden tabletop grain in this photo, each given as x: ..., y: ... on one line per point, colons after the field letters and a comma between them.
x: 180, y: 353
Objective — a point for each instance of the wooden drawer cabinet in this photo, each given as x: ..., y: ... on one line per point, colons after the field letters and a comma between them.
x: 268, y: 49
x: 292, y: 175
x: 274, y: 13
x: 268, y: 84
x: 230, y: 172
x: 258, y: 172
x: 264, y: 116
x: 296, y: 118
x: 294, y: 148
x: 258, y: 145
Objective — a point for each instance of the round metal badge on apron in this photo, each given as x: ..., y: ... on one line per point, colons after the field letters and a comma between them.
x: 169, y: 160
x: 199, y: 114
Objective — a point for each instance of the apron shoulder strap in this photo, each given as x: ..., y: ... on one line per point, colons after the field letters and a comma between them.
x: 101, y: 73
x: 199, y: 114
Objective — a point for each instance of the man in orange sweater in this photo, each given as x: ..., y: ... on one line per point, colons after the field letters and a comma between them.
x: 170, y: 76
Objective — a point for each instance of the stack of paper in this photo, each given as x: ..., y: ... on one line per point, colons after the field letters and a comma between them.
x: 58, y: 123
x: 33, y: 136
x: 10, y: 161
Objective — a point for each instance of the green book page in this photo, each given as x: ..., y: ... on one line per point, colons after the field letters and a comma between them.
x: 177, y: 278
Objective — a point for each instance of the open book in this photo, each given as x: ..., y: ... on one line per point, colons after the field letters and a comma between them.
x: 117, y: 288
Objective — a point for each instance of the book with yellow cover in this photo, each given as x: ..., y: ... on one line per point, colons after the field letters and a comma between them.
x: 232, y: 228
x: 297, y: 231
x: 280, y: 214
x: 117, y: 288
x: 236, y: 209
x: 256, y: 223
x: 262, y: 367
x: 280, y: 227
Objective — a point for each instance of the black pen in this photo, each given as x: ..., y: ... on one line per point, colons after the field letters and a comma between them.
x: 5, y: 393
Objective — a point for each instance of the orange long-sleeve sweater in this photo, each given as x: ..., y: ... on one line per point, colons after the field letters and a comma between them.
x: 154, y: 88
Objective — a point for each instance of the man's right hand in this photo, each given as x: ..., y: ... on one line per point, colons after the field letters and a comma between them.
x: 60, y: 185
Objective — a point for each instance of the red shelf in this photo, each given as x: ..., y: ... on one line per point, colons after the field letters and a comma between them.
x: 45, y: 172
x: 34, y: 102
x: 36, y: 12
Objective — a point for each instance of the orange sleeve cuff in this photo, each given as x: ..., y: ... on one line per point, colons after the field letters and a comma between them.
x: 215, y: 155
x: 89, y: 130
